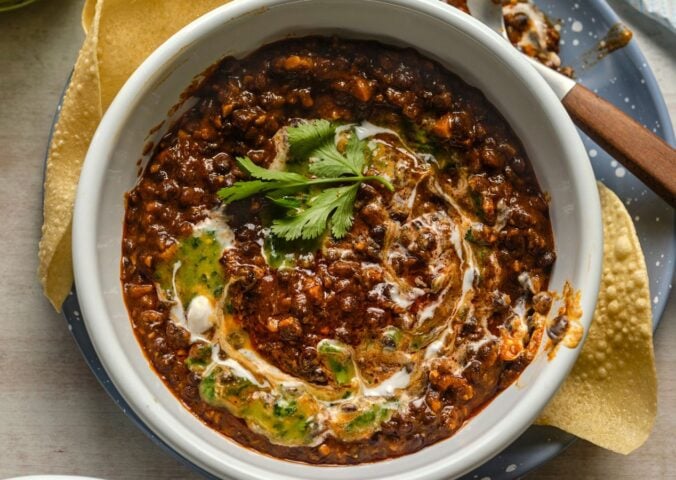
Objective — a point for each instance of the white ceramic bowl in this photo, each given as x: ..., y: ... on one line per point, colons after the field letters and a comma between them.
x: 466, y: 47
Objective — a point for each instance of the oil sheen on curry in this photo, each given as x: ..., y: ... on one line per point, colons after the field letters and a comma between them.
x: 339, y: 253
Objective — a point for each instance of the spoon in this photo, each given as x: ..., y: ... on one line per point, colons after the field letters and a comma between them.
x: 643, y: 153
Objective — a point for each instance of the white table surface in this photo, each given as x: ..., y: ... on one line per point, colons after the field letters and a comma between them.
x: 54, y: 416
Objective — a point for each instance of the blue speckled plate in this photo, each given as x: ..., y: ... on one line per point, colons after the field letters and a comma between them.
x: 625, y: 79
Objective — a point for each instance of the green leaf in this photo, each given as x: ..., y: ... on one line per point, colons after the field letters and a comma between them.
x: 355, y: 153
x: 311, y: 222
x: 341, y: 222
x: 269, y: 180
x: 312, y: 141
x: 265, y: 174
x: 242, y: 190
x: 292, y: 203
x: 327, y: 161
x: 308, y: 136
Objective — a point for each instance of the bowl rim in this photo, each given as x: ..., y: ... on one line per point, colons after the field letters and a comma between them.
x: 87, y: 273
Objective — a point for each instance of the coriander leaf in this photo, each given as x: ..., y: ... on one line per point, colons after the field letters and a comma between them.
x: 286, y: 202
x: 308, y: 136
x: 327, y: 161
x: 341, y: 222
x: 246, y: 189
x: 283, y: 182
x: 313, y: 142
x: 311, y: 222
x: 355, y: 153
x: 242, y: 190
x: 265, y: 174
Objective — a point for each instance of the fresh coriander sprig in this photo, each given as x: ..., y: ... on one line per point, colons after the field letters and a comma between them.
x: 308, y: 216
x: 311, y: 222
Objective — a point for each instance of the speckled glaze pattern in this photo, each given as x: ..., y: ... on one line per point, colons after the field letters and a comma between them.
x: 625, y: 79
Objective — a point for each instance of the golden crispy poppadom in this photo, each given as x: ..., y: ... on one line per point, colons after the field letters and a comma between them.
x: 120, y: 35
x: 88, y: 12
x: 79, y: 117
x: 610, y: 397
x: 130, y: 31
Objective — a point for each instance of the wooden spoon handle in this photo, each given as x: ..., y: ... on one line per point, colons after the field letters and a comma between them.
x: 643, y: 153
